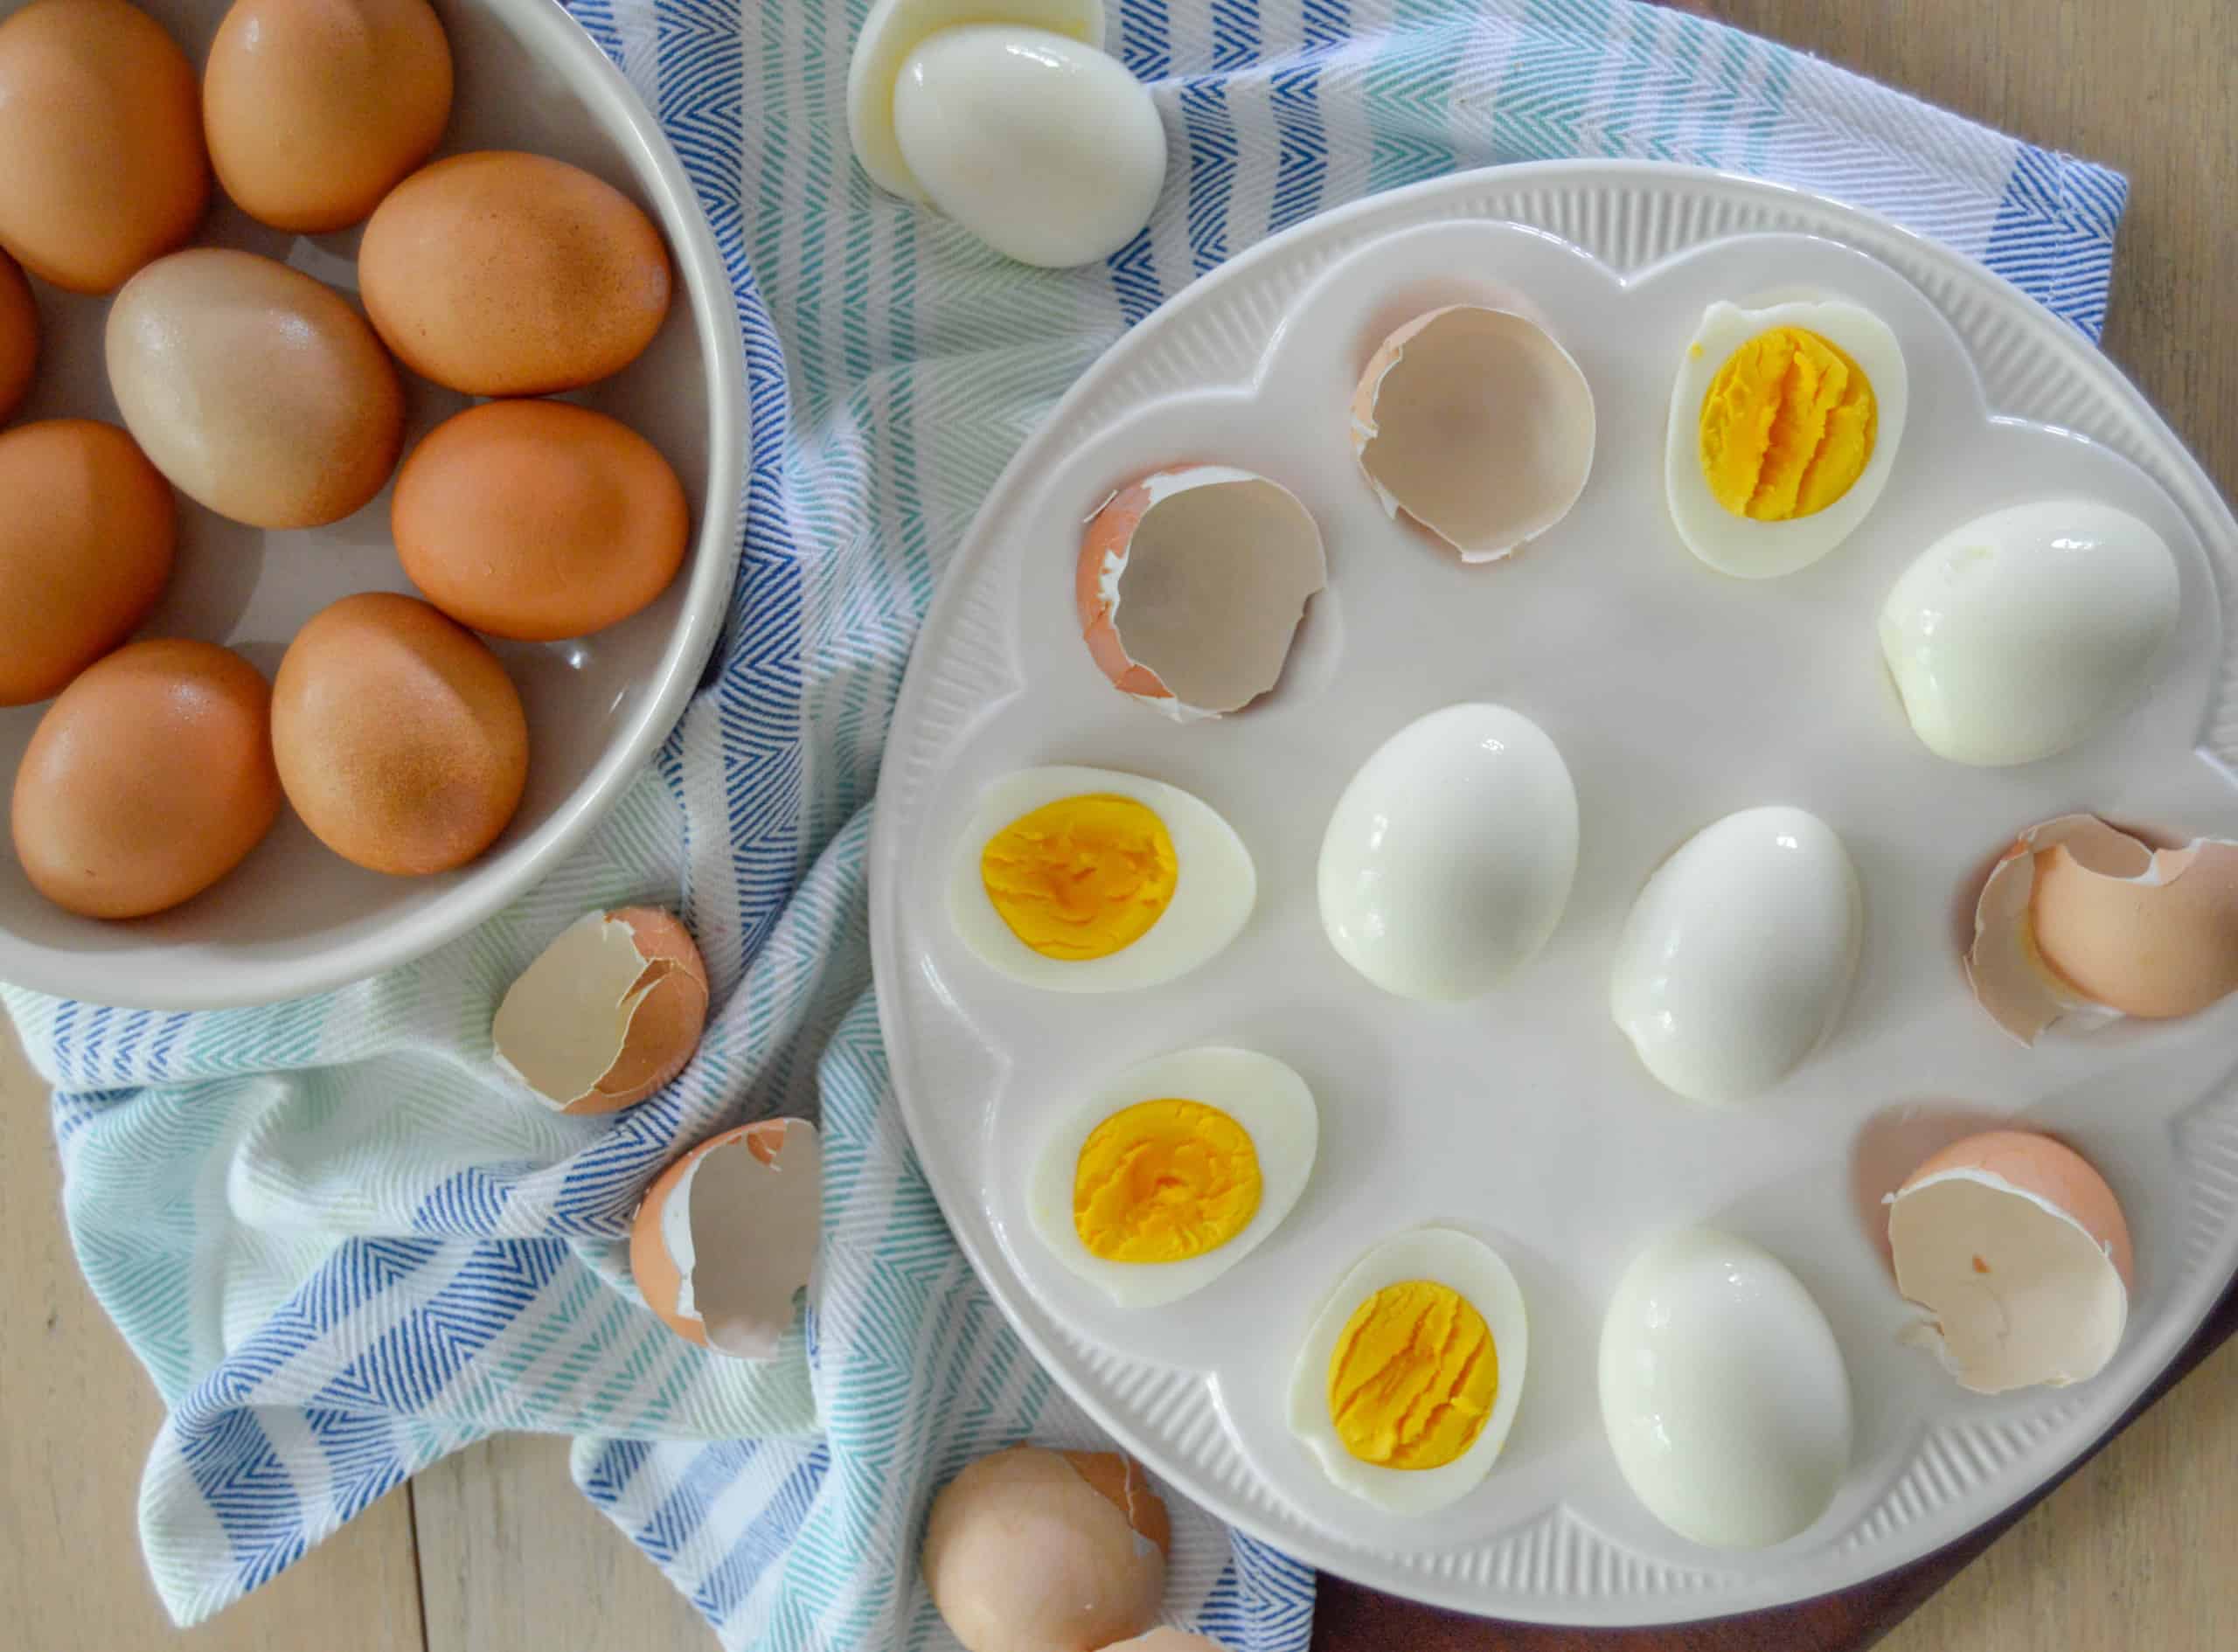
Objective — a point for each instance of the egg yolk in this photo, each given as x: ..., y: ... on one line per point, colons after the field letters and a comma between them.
x: 1164, y: 1181
x: 1787, y: 427
x: 1081, y: 877
x: 1412, y: 1381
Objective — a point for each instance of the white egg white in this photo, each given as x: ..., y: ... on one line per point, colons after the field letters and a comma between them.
x: 1465, y: 1264
x: 1262, y: 1095
x: 1742, y: 546
x: 1214, y: 885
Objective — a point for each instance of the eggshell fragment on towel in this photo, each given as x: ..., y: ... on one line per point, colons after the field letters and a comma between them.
x: 1037, y: 1550
x: 727, y: 1235
x: 1190, y: 585
x: 1477, y: 425
x: 608, y: 1013
x: 1163, y: 1639
x: 2080, y: 922
x: 2018, y: 1249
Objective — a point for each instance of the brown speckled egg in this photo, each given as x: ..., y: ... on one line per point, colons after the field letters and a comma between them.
x: 315, y: 109
x: 538, y: 520
x: 18, y: 337
x: 86, y: 531
x: 101, y: 163
x: 149, y: 779
x: 400, y: 739
x: 499, y: 273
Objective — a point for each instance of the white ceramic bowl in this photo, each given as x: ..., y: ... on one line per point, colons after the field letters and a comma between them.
x: 295, y: 918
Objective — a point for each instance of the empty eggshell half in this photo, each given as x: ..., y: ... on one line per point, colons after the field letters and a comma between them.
x: 1477, y: 425
x: 728, y: 1234
x: 2018, y: 1247
x: 608, y: 1013
x: 2083, y: 923
x: 1191, y: 583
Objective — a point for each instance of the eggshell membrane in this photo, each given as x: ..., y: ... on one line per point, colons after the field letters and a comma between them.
x: 763, y: 1219
x: 1488, y: 482
x: 2019, y: 1247
x: 101, y: 162
x: 1213, y: 567
x: 18, y: 337
x: 314, y: 110
x: 606, y: 1014
x: 88, y: 531
x: 1036, y: 1550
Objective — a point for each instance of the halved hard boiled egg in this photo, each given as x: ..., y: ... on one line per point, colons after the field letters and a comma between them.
x: 1408, y: 1380
x: 1088, y: 880
x: 1784, y: 425
x: 1174, y: 1171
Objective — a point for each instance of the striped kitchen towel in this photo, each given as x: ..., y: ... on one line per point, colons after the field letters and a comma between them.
x: 343, y: 1251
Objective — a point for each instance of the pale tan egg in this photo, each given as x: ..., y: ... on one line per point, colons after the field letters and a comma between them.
x: 538, y: 520
x: 607, y: 1014
x: 499, y: 273
x: 258, y: 391
x: 18, y: 337
x: 149, y: 779
x: 315, y: 109
x: 86, y: 532
x: 399, y: 739
x: 101, y: 163
x: 2018, y: 1247
x: 1036, y: 1550
x: 727, y: 1237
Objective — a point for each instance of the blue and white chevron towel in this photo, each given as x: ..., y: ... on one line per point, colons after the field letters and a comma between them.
x: 343, y: 1252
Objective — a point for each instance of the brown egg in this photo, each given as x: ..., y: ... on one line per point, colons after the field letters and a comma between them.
x: 537, y: 519
x: 500, y: 273
x: 18, y: 337
x: 147, y: 781
x: 256, y: 390
x: 101, y: 164
x: 315, y: 109
x: 86, y: 532
x: 400, y: 739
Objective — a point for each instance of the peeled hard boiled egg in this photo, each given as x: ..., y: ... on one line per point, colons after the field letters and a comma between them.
x: 2015, y: 636
x: 1447, y: 860
x: 1173, y: 1172
x: 1784, y: 424
x: 727, y: 1236
x: 1723, y: 1391
x: 1088, y: 880
x: 1408, y: 1379
x: 1737, y: 957
x: 18, y: 337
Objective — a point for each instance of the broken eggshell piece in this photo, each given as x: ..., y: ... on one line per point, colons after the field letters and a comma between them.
x: 608, y: 1013
x: 2079, y: 922
x: 2018, y: 1249
x: 1191, y: 583
x: 1477, y: 425
x: 728, y: 1234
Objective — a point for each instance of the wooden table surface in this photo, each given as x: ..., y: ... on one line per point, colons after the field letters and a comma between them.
x: 494, y: 1551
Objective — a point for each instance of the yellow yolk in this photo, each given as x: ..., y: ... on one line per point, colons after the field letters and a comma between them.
x: 1787, y: 426
x: 1081, y: 877
x: 1164, y: 1181
x: 1412, y: 1381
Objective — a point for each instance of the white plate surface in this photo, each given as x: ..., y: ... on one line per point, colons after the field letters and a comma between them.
x: 1676, y: 695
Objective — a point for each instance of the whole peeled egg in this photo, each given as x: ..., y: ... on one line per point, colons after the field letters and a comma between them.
x: 499, y: 273
x: 1447, y: 860
x: 101, y: 162
x: 18, y: 337
x: 258, y: 391
x: 149, y: 779
x: 315, y: 109
x: 538, y: 519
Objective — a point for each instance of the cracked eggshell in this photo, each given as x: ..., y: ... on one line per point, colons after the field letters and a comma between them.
x: 1477, y: 425
x: 608, y: 1013
x: 2018, y: 1249
x: 2080, y: 922
x: 1036, y: 1550
x: 1190, y: 585
x: 728, y: 1234
x: 1163, y: 1639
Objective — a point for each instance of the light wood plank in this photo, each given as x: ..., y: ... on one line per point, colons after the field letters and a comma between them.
x: 80, y: 1414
